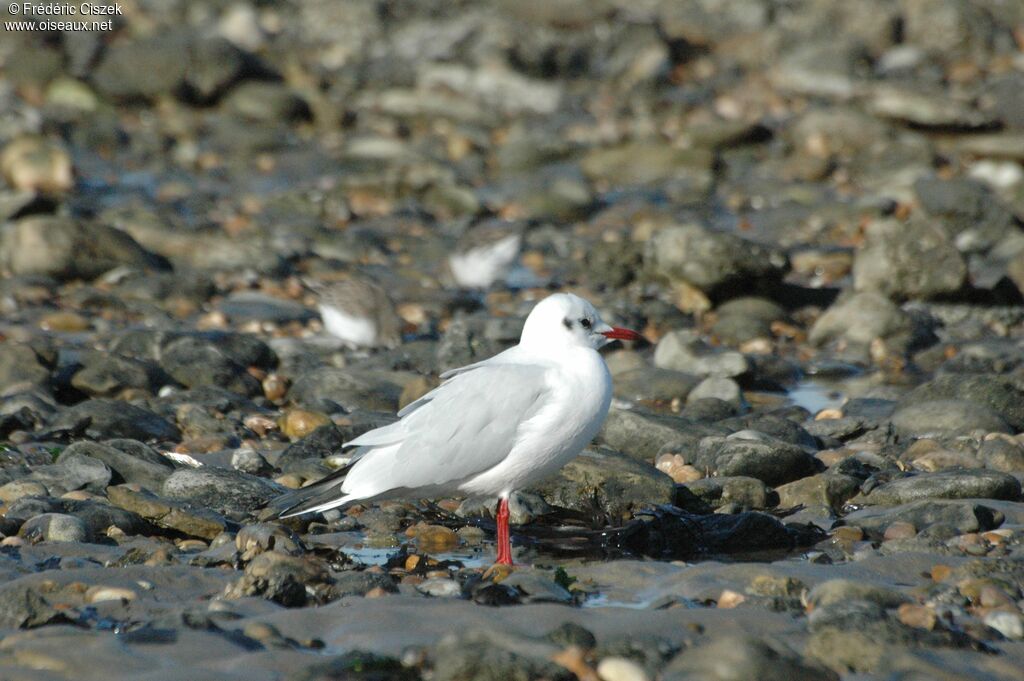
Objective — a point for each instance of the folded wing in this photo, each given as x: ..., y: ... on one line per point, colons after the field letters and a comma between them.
x: 464, y: 427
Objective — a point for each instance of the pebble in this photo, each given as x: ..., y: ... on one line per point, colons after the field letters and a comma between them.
x: 620, y: 669
x: 97, y: 594
x: 1009, y: 624
x: 298, y: 423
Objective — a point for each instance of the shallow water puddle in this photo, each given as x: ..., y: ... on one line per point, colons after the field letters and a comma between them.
x: 815, y: 395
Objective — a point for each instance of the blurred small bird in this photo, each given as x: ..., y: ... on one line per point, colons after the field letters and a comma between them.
x: 486, y: 253
x: 358, y: 311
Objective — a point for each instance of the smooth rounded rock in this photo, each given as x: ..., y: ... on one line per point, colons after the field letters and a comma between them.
x: 56, y: 527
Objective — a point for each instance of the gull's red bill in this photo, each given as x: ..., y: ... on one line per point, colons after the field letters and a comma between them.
x: 619, y: 333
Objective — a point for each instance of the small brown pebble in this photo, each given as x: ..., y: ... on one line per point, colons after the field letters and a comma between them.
x: 298, y: 423
x: 498, y: 573
x: 900, y: 530
x: 730, y: 599
x: 376, y: 592
x: 275, y: 387
x: 997, y: 537
x: 35, y: 163
x: 941, y: 573
x: 574, y: 659
x: 259, y: 424
x: 675, y: 467
x: 991, y: 596
x: 68, y: 322
x: 192, y: 545
x: 109, y: 593
x: 833, y: 456
x: 411, y: 562
x: 261, y: 631
x: 289, y: 480
x: 828, y: 414
x: 848, y: 533
x: 918, y: 616
x: 757, y: 346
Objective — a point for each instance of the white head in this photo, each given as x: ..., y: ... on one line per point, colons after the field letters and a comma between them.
x: 564, y: 320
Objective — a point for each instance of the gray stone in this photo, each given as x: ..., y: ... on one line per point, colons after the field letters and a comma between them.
x: 828, y: 489
x: 926, y: 108
x: 173, y: 515
x: 20, y: 364
x: 964, y: 516
x: 719, y: 388
x: 537, y: 587
x: 742, y: 319
x: 772, y: 461
x: 351, y: 389
x: 193, y: 362
x: 1002, y: 454
x: 840, y: 590
x: 734, y: 491
x: 861, y: 318
x: 66, y: 249
x: 440, y: 587
x: 22, y: 607
x: 644, y: 435
x: 994, y: 391
x: 232, y: 493
x: 947, y: 417
x: 685, y: 174
x: 739, y: 657
x: 248, y: 460
x: 651, y: 384
x: 908, y: 260
x: 685, y: 351
x: 614, y: 483
x: 968, y: 210
x: 107, y: 419
x: 214, y: 64
x: 266, y: 102
x: 131, y: 460
x: 107, y: 375
x: 55, y: 527
x: 712, y: 261
x: 72, y: 472
x: 479, y: 655
x: 358, y: 583
x: 950, y: 28
x: 250, y: 305
x: 950, y: 484
x: 144, y: 68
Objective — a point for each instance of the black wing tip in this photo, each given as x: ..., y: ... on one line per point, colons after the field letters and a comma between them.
x: 299, y: 501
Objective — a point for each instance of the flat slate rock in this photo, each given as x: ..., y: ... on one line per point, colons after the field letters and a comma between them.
x: 949, y: 484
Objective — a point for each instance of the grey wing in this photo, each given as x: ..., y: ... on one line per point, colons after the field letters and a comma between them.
x: 464, y: 427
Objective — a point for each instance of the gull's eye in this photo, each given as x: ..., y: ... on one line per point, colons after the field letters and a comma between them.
x: 585, y: 323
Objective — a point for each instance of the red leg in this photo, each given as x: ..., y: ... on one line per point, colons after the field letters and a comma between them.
x: 504, y: 539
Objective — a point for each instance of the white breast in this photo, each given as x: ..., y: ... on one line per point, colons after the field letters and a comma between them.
x: 356, y: 331
x: 481, y: 267
x: 582, y: 393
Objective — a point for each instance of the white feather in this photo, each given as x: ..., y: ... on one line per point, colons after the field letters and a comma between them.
x: 355, y: 331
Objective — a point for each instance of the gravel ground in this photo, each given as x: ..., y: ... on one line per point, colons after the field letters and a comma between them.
x: 813, y: 209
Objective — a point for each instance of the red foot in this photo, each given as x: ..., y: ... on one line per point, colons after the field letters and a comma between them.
x: 504, y: 539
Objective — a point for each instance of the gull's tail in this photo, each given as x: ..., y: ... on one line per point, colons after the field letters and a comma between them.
x: 322, y: 495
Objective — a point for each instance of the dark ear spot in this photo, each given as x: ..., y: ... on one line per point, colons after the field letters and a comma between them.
x: 568, y: 323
